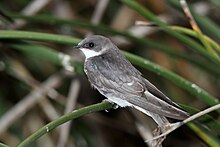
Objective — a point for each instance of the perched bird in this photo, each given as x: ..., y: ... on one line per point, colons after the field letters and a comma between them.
x: 118, y: 80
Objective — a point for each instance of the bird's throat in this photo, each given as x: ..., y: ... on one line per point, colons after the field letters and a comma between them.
x: 89, y: 53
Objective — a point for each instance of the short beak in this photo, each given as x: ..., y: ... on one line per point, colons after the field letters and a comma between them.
x: 77, y: 47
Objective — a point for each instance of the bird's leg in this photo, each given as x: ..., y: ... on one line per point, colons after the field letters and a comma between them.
x: 160, y: 130
x: 158, y: 142
x: 163, y: 126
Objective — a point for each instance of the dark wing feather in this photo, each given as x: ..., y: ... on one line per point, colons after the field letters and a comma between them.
x: 152, y: 89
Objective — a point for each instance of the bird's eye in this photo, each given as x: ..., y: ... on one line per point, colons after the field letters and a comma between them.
x: 91, y: 44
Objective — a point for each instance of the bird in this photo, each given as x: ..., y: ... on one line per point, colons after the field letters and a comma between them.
x: 122, y: 84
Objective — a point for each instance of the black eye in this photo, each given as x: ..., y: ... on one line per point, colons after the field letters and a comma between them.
x: 91, y: 44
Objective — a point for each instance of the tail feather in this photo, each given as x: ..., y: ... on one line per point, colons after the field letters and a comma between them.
x: 159, y: 119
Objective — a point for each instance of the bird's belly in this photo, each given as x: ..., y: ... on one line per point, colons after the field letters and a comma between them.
x: 118, y: 101
x: 124, y: 103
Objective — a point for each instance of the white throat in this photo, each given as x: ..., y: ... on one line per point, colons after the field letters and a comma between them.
x: 89, y: 53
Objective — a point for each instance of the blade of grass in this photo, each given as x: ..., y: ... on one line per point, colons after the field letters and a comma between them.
x: 208, y: 26
x: 38, y: 36
x: 3, y: 145
x: 192, y: 33
x: 206, y: 136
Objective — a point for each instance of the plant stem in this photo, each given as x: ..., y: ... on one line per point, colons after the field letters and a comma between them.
x: 65, y: 118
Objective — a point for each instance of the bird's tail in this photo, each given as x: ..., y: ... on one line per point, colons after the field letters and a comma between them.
x: 159, y: 119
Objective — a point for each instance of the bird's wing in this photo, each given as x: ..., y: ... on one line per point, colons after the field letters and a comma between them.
x: 136, y: 93
x: 156, y: 92
x: 131, y: 88
x: 151, y: 103
x: 142, y: 96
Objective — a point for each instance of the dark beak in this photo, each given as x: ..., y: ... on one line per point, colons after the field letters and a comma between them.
x: 77, y: 47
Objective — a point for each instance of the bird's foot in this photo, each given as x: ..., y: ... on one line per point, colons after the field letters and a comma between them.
x: 158, y: 142
x: 168, y: 127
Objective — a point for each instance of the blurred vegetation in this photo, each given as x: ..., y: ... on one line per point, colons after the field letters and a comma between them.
x: 42, y: 78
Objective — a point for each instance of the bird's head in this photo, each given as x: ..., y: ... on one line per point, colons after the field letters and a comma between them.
x: 94, y: 45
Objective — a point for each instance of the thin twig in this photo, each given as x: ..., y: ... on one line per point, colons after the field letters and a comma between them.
x: 70, y: 105
x: 48, y: 109
x: 28, y: 101
x: 146, y: 28
x: 34, y: 7
x: 191, y: 118
x: 197, y: 29
x: 19, y: 71
x: 98, y: 12
x: 144, y: 131
x: 145, y: 23
x: 189, y: 16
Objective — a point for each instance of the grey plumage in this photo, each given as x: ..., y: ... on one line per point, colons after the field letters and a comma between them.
x: 118, y: 80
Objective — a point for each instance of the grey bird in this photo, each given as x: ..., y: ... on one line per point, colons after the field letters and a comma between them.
x: 121, y: 83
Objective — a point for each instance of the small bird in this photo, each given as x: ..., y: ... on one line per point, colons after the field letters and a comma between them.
x: 121, y: 83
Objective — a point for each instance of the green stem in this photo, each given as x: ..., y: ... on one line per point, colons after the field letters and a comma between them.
x: 207, y: 45
x: 38, y: 36
x: 206, y: 136
x: 3, y: 145
x: 192, y: 33
x: 63, y: 119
